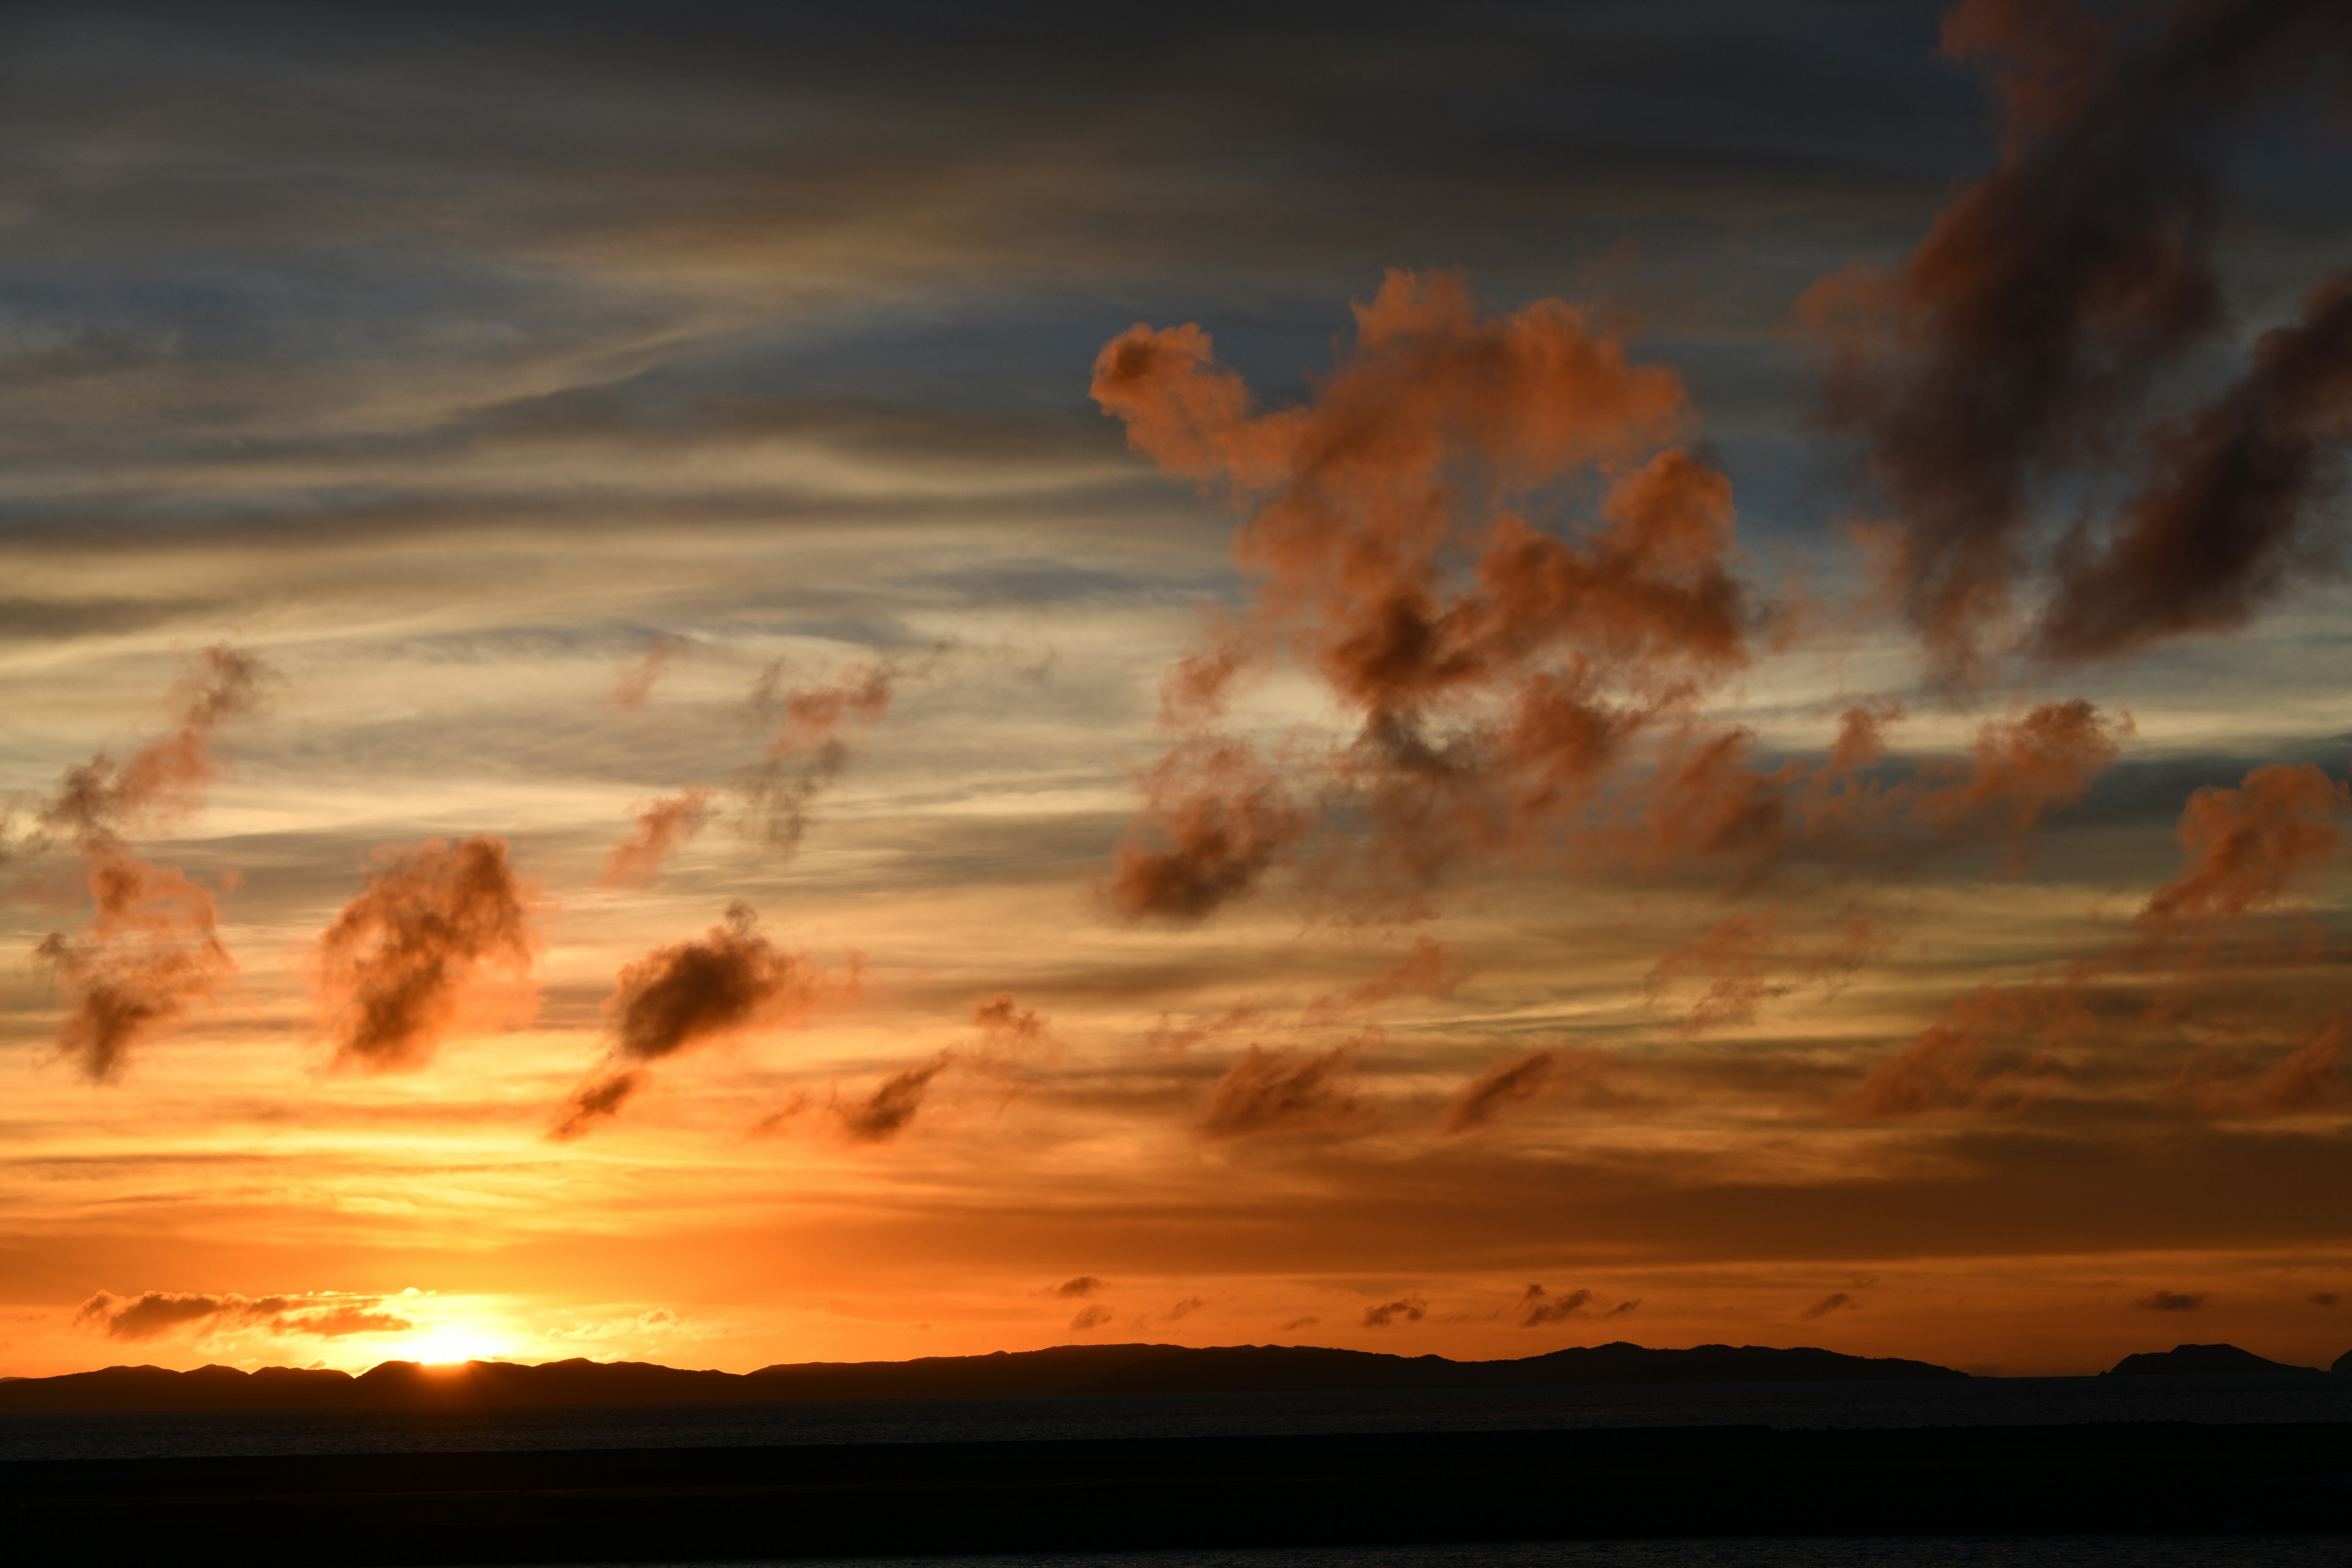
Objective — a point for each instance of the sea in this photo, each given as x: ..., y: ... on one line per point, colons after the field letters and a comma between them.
x: 1790, y: 1406
x: 1976, y: 1402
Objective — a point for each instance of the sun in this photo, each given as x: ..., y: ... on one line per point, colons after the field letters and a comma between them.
x: 445, y: 1343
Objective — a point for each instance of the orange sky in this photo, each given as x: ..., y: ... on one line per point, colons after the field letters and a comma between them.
x: 849, y: 773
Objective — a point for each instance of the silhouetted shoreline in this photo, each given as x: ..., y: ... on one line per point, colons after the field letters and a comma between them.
x: 1063, y: 1371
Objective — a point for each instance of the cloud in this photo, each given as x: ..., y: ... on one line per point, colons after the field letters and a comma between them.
x: 2233, y: 506
x: 2310, y: 1078
x: 2243, y: 850
x: 2323, y: 1298
x: 1506, y: 1083
x: 1179, y: 1310
x: 1986, y: 1053
x: 809, y: 749
x: 1284, y: 1091
x: 729, y: 981
x: 1491, y: 696
x: 100, y: 802
x: 2010, y: 356
x: 1836, y: 1302
x: 1005, y: 1025
x: 636, y: 683
x: 1215, y: 819
x: 152, y: 951
x: 1084, y: 1285
x: 155, y: 1313
x: 663, y: 826
x: 1746, y: 960
x: 2172, y: 1302
x: 1411, y: 1309
x: 1296, y: 1323
x: 883, y: 1114
x: 1543, y: 1308
x: 1089, y: 1318
x: 2021, y: 768
x: 397, y: 964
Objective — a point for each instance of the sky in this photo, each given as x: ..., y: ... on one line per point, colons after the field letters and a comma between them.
x: 733, y: 684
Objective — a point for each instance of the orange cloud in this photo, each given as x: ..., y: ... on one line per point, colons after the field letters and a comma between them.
x: 1746, y: 960
x: 1516, y: 1081
x: 636, y: 683
x: 1285, y: 1091
x: 152, y: 951
x: 155, y: 1313
x: 1491, y: 696
x: 397, y: 965
x: 881, y: 1115
x: 2021, y: 768
x: 729, y: 981
x: 663, y: 826
x: 1986, y: 1053
x: 1214, y: 820
x: 2243, y: 850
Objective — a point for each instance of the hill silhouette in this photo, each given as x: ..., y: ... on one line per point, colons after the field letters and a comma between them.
x: 1062, y: 1370
x: 2202, y: 1360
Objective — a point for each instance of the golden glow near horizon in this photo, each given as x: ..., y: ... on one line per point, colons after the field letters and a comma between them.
x: 893, y: 725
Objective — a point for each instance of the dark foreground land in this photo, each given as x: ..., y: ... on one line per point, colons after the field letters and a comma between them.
x: 652, y: 1505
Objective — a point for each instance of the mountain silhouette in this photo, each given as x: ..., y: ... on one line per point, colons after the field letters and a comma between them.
x: 1064, y: 1370
x: 2202, y: 1361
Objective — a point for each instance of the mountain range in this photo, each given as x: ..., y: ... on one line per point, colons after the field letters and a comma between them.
x: 1061, y: 1371
x: 1064, y: 1370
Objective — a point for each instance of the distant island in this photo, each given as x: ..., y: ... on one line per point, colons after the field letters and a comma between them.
x: 2210, y: 1361
x: 1062, y: 1371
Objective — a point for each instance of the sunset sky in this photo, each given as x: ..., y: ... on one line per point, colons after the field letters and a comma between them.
x: 729, y: 684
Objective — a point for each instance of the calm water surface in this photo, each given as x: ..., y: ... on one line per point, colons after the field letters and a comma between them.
x: 2015, y: 1401
x: 1726, y: 1552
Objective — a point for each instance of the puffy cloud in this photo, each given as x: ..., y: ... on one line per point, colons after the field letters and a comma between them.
x: 2243, y: 850
x: 663, y: 826
x: 1411, y: 1309
x: 1284, y: 1090
x: 1084, y: 1285
x: 1835, y: 1301
x: 397, y: 965
x: 1540, y: 1307
x: 1214, y: 821
x: 152, y: 951
x: 1491, y: 698
x: 2233, y: 504
x: 1090, y: 1318
x: 2014, y: 350
x: 729, y: 981
x: 2021, y: 768
x: 887, y: 1110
